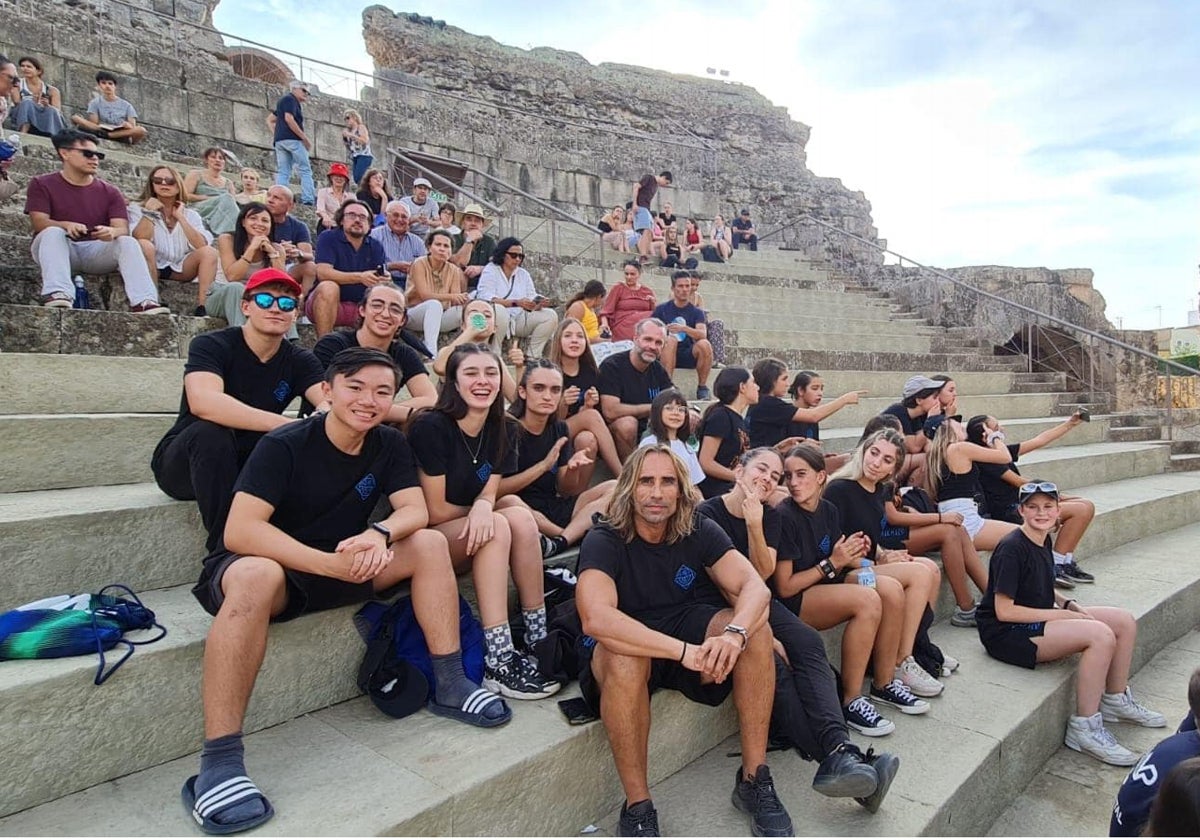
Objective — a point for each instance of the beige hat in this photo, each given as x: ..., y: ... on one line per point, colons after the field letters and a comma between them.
x: 472, y: 210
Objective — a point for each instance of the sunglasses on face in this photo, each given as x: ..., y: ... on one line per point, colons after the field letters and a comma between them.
x: 516, y: 255
x: 164, y: 182
x: 263, y: 300
x: 90, y: 154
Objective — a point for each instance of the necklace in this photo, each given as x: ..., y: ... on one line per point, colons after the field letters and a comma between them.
x: 474, y: 454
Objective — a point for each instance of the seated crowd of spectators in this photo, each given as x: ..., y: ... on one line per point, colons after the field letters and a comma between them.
x: 708, y: 561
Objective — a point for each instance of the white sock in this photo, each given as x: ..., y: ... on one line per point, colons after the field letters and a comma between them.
x: 1061, y: 559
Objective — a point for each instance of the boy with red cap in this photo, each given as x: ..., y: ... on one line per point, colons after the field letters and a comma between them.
x: 236, y: 384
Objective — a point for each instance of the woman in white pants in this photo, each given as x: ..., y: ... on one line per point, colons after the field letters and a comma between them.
x: 436, y: 291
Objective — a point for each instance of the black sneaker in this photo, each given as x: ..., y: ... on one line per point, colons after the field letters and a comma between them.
x: 517, y: 678
x: 1060, y: 578
x: 638, y: 820
x: 885, y: 766
x: 1073, y: 573
x: 758, y: 798
x: 552, y: 546
x: 861, y: 714
x: 200, y: 312
x: 897, y: 694
x: 845, y: 772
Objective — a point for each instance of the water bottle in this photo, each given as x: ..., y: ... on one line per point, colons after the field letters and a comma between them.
x: 10, y: 147
x: 866, y: 575
x: 82, y: 301
x: 680, y: 336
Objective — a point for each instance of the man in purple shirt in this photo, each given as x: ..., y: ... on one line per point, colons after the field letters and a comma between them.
x: 80, y: 224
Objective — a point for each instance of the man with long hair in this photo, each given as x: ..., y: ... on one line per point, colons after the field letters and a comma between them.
x: 651, y: 579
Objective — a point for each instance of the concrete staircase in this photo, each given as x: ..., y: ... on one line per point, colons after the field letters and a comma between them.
x: 89, y: 393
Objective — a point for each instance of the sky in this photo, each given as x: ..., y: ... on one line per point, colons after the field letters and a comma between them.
x: 1060, y: 133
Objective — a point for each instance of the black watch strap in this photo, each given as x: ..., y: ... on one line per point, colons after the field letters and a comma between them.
x: 383, y: 529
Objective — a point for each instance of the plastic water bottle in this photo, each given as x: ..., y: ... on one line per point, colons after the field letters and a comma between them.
x: 82, y: 301
x: 866, y: 575
x: 680, y: 336
x: 10, y: 147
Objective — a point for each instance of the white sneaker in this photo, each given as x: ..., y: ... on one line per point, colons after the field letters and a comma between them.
x: 1088, y: 735
x: 1123, y: 708
x: 949, y: 664
x: 917, y: 679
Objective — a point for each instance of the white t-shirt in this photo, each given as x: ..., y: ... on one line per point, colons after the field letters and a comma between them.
x: 493, y: 284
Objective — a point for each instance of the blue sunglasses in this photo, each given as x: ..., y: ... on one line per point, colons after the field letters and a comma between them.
x: 263, y: 300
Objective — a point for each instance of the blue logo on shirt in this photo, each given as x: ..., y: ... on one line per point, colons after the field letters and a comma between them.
x: 587, y: 641
x: 825, y: 545
x: 484, y: 472
x: 366, y: 487
x: 282, y: 391
x: 653, y: 392
x: 685, y: 577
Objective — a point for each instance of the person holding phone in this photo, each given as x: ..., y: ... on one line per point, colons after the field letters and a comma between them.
x: 81, y: 224
x: 523, y: 313
x: 38, y: 103
x: 348, y: 263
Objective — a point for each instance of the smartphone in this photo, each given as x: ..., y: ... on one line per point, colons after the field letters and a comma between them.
x: 382, y: 270
x: 1084, y: 415
x: 538, y: 299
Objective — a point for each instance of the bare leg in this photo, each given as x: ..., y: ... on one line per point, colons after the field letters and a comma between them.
x: 669, y: 351
x: 753, y: 691
x: 424, y: 558
x: 1095, y: 640
x: 590, y: 501
x: 828, y: 605
x: 946, y: 539
x: 914, y: 580
x: 702, y: 352
x: 489, y: 566
x: 1075, y: 515
x: 1124, y: 628
x: 589, y: 419
x: 325, y: 297
x: 254, y: 591
x: 625, y: 710
x: 586, y: 443
x: 624, y: 434
x: 525, y: 554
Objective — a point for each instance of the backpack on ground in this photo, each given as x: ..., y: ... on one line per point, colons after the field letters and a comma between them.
x: 77, y: 625
x: 709, y: 253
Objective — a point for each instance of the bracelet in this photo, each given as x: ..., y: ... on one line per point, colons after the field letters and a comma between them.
x: 827, y: 569
x: 1067, y: 603
x: 684, y: 654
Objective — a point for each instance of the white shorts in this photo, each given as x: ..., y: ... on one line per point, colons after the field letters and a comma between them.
x: 972, y: 521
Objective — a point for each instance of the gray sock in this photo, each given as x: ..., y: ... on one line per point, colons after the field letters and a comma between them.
x: 499, y: 645
x: 452, y: 685
x: 222, y: 759
x: 535, y: 624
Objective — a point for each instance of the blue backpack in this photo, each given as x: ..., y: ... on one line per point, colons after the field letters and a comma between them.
x: 391, y: 632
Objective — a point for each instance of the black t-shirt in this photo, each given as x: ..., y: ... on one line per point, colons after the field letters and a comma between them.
x: 583, y: 380
x: 532, y: 448
x: 910, y: 425
x: 322, y: 495
x: 1022, y: 570
x: 998, y: 495
x: 768, y: 421
x: 442, y: 448
x: 406, y: 358
x: 807, y: 538
x: 726, y: 424
x: 859, y: 509
x: 620, y: 379
x: 268, y: 386
x: 655, y: 579
x: 735, y: 527
x: 1137, y: 792
x: 812, y: 431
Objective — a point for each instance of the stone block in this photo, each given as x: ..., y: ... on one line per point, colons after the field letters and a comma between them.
x: 163, y: 104
x: 250, y: 126
x: 79, y: 450
x: 327, y: 143
x: 49, y: 383
x: 210, y: 117
x: 153, y: 65
x: 19, y: 33
x: 30, y: 329
x: 73, y: 44
x: 78, y: 84
x: 120, y: 59
x: 209, y: 76
x: 92, y: 332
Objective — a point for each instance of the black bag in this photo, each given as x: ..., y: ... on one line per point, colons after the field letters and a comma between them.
x: 928, y: 655
x: 709, y: 253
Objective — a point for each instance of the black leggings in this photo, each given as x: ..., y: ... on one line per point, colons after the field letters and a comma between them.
x: 815, y: 724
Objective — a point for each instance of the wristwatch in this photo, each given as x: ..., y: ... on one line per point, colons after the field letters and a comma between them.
x: 383, y: 529
x: 827, y: 569
x: 741, y: 631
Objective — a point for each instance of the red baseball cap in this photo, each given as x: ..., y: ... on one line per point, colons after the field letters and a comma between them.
x: 339, y: 169
x: 267, y: 276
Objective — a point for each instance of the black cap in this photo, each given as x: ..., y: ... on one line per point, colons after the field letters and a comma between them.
x: 398, y: 688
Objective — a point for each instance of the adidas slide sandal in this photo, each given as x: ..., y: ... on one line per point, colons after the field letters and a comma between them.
x: 212, y: 802
x: 480, y: 708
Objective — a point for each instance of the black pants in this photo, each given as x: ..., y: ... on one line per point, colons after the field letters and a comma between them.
x: 202, y: 462
x: 815, y: 723
x: 750, y: 240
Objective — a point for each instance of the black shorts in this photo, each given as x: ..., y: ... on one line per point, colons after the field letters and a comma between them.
x: 1011, y: 643
x: 689, y: 624
x: 165, y: 272
x: 558, y: 510
x: 306, y: 592
x: 684, y: 357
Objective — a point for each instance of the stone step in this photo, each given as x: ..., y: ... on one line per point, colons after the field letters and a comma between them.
x: 1003, y: 724
x: 891, y: 339
x: 1184, y: 462
x: 997, y: 405
x: 845, y: 438
x: 859, y: 359
x: 1132, y: 433
x: 51, y: 451
x: 500, y: 792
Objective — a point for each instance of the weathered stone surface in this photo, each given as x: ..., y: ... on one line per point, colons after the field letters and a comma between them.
x: 89, y: 332
x: 167, y: 102
x: 210, y: 116
x: 30, y: 329
x: 153, y: 65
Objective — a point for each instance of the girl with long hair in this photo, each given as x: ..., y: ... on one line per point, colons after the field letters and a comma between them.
x: 858, y: 492
x: 582, y: 307
x: 181, y: 245
x: 1000, y: 483
x: 463, y: 445
x: 244, y: 251
x: 579, y: 409
x: 372, y: 189
x: 479, y: 327
x: 953, y: 475
x: 722, y: 430
x: 776, y: 422
x: 668, y: 418
x: 553, y: 470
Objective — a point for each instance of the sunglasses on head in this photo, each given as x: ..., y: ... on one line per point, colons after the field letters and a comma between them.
x: 90, y: 154
x: 263, y: 300
x: 1032, y: 487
